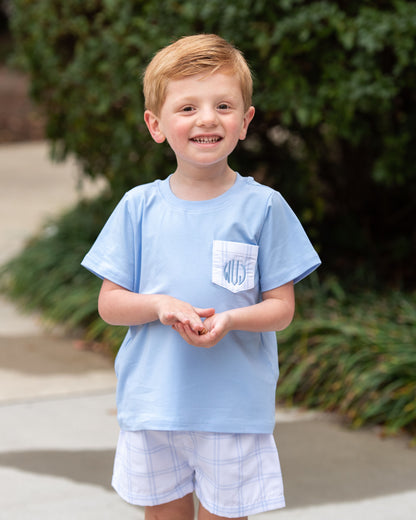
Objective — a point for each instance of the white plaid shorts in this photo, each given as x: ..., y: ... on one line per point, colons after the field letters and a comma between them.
x: 232, y: 475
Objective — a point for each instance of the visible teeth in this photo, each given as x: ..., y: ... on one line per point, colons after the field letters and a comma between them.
x: 206, y: 140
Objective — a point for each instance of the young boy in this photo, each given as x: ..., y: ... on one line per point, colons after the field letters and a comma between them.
x: 201, y: 266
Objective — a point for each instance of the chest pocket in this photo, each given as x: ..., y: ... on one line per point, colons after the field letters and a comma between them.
x: 234, y: 265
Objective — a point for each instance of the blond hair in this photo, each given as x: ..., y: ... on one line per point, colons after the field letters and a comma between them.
x: 191, y: 55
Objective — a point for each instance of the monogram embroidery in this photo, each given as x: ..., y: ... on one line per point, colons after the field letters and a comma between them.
x: 234, y: 265
x: 235, y: 272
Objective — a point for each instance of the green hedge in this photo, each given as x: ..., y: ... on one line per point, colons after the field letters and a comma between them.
x: 334, y: 92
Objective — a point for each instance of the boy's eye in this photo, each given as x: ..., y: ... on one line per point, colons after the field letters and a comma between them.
x: 187, y: 109
x: 223, y: 106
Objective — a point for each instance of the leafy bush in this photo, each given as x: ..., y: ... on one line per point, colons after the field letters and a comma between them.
x: 355, y: 357
x: 334, y: 93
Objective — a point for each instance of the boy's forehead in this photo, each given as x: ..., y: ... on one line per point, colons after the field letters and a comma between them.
x: 224, y: 82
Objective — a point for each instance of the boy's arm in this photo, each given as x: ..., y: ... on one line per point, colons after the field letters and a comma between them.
x: 119, y: 306
x: 274, y: 313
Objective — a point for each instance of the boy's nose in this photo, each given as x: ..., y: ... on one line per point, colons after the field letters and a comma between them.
x: 207, y: 117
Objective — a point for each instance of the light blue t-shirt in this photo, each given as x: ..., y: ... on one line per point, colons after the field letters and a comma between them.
x: 221, y: 253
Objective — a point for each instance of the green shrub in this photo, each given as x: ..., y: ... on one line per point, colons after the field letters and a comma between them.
x: 334, y: 93
x: 355, y: 357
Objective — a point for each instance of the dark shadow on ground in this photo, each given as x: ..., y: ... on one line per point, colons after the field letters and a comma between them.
x: 93, y: 467
x: 39, y: 355
x: 324, y: 463
x: 321, y: 462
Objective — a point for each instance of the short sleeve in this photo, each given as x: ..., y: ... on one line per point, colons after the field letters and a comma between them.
x: 113, y: 254
x: 285, y: 252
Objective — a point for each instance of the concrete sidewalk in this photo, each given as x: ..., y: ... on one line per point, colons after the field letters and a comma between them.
x: 57, y: 405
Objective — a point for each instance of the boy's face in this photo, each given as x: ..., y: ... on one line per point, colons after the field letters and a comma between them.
x: 202, y: 119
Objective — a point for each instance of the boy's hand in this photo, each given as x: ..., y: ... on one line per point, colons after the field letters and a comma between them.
x: 275, y: 312
x: 172, y: 311
x: 215, y: 328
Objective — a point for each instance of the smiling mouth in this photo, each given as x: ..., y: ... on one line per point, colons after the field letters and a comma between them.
x: 206, y: 140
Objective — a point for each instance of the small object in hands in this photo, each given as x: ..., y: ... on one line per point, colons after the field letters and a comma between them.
x: 202, y: 332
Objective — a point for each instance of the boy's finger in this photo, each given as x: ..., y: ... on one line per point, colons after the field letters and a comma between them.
x: 205, y: 313
x: 195, y: 325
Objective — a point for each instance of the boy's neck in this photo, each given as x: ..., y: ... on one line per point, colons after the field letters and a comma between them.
x: 201, y: 184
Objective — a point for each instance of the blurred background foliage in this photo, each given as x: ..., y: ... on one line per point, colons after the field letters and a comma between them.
x: 335, y: 93
x: 335, y: 97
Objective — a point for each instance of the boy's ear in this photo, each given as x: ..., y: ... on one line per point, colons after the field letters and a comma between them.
x: 152, y: 123
x: 248, y: 116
